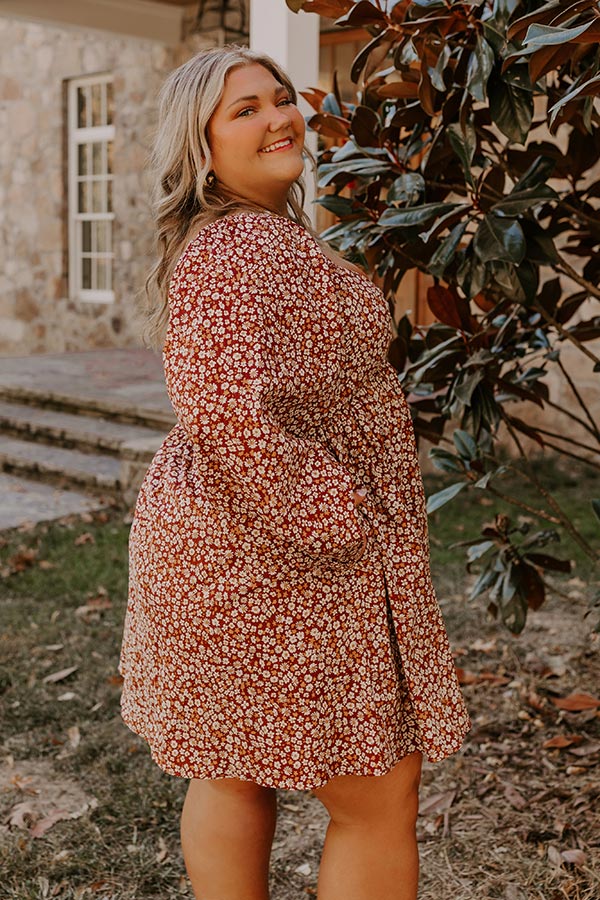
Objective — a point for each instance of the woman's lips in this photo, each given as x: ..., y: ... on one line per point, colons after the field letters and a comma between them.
x: 276, y: 146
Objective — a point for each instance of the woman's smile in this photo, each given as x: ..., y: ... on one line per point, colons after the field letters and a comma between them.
x: 283, y: 144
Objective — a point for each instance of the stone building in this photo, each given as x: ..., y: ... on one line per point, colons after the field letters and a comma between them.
x: 78, y: 85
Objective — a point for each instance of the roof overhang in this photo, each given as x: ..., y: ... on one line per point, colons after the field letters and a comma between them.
x: 147, y: 19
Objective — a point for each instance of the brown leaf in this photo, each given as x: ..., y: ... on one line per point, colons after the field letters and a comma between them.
x: 84, y: 538
x: 577, y: 857
x: 436, y: 803
x: 516, y: 800
x: 58, y: 676
x: 43, y: 825
x: 21, y: 815
x: 562, y: 740
x: 586, y: 749
x: 46, y: 564
x: 576, y: 702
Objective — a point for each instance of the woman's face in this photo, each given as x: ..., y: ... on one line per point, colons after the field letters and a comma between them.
x: 256, y: 136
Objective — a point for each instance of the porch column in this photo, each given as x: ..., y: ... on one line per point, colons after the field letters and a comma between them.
x: 293, y: 42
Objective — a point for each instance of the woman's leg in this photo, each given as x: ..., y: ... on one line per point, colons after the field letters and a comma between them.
x: 370, y: 850
x: 227, y: 829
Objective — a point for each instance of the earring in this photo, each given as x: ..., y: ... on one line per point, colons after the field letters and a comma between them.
x: 210, y: 180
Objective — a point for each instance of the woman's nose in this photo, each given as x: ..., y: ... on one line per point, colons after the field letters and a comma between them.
x: 279, y: 119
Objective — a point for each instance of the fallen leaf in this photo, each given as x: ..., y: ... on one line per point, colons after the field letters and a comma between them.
x: 84, y: 538
x: 58, y: 676
x: 516, y: 800
x: 163, y: 851
x: 22, y: 815
x: 304, y: 869
x: 43, y: 825
x: 554, y: 855
x: 562, y: 740
x: 46, y: 564
x: 576, y: 702
x: 587, y: 749
x: 577, y: 857
x: 436, y: 803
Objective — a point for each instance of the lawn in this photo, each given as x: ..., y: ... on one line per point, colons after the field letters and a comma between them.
x: 85, y: 813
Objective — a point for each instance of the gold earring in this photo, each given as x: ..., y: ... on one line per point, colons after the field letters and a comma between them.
x: 210, y: 180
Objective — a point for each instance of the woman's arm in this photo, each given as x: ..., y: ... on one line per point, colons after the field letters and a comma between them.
x: 218, y: 366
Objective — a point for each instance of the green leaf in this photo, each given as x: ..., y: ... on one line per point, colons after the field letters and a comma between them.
x: 444, y: 253
x: 480, y: 67
x: 437, y: 73
x: 435, y: 501
x: 537, y: 173
x: 413, y: 215
x: 591, y: 87
x: 464, y: 143
x: 446, y: 461
x: 499, y: 239
x: 511, y: 109
x: 547, y: 35
x: 465, y: 444
x: 596, y: 507
x: 466, y: 384
x: 339, y: 206
x: 477, y: 550
x: 362, y: 167
x: 520, y: 201
x: 407, y: 187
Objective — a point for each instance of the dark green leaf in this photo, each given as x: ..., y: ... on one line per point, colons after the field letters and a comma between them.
x: 465, y: 444
x: 596, y: 507
x: 499, y: 239
x: 446, y: 250
x: 480, y: 66
x: 464, y: 143
x: 511, y: 109
x: 339, y: 206
x: 435, y: 501
x: 477, y: 550
x: 407, y: 187
x: 544, y: 561
x: 413, y: 215
x: 520, y: 201
x: 445, y: 461
x: 545, y: 35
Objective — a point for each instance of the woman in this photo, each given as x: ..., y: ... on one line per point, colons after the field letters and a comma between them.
x: 282, y: 629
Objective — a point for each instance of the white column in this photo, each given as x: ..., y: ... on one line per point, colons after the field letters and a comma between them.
x: 292, y: 39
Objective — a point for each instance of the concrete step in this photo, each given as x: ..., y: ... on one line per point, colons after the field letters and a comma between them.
x: 27, y: 502
x: 94, y: 471
x: 72, y: 401
x: 80, y: 431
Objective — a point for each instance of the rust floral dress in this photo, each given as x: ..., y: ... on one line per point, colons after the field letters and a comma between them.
x: 261, y: 641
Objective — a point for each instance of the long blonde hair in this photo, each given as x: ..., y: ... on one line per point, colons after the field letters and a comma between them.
x: 182, y: 202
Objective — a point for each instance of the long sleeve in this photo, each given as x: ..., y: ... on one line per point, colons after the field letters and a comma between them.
x: 219, y: 364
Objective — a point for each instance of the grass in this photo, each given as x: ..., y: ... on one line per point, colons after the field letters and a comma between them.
x: 62, y: 601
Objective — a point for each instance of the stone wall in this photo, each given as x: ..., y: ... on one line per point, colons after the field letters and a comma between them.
x: 36, y: 314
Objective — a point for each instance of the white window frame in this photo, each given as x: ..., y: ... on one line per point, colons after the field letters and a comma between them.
x: 76, y: 137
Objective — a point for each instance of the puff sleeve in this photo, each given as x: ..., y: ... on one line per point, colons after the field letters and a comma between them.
x: 218, y: 358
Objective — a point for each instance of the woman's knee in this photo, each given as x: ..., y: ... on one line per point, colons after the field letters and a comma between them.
x: 232, y: 790
x: 373, y: 800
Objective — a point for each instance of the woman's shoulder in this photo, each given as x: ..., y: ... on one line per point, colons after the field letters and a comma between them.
x: 249, y: 231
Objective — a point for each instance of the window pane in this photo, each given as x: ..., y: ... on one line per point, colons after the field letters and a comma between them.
x: 97, y: 158
x: 86, y: 236
x: 83, y: 196
x: 86, y: 273
x: 103, y: 237
x: 82, y: 106
x: 109, y: 104
x: 98, y: 196
x: 102, y: 274
x: 97, y: 104
x: 82, y: 159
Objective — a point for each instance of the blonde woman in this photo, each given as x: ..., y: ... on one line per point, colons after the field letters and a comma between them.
x: 282, y: 630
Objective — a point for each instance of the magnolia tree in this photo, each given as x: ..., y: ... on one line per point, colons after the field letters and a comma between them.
x: 472, y: 155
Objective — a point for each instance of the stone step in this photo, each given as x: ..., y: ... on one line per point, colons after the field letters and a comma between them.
x: 94, y: 471
x: 72, y: 401
x: 128, y: 441
x: 27, y: 502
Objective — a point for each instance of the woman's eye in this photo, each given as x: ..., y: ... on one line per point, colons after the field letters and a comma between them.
x: 243, y: 112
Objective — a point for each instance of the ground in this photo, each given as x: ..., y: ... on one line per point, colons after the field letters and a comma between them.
x: 84, y: 812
